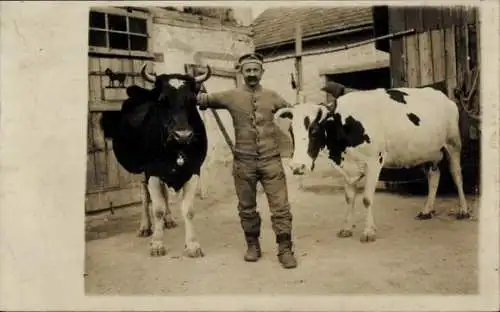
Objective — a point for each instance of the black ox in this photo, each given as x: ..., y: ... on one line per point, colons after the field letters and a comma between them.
x: 160, y: 133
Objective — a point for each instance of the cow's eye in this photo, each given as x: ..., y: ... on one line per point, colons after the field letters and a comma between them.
x: 307, y: 122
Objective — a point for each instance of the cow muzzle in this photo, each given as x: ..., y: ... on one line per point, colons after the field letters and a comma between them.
x: 183, y: 136
x: 297, y: 168
x: 301, y: 167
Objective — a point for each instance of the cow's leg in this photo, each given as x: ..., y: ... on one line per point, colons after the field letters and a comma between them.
x: 158, y: 202
x: 204, y: 171
x: 456, y: 173
x: 433, y: 175
x: 192, y: 247
x: 372, y: 174
x: 203, y: 182
x: 168, y: 220
x: 350, y: 198
x: 145, y: 227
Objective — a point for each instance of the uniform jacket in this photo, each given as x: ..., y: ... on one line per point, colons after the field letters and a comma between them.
x: 252, y: 112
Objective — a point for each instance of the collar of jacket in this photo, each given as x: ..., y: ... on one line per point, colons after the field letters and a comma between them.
x: 249, y: 89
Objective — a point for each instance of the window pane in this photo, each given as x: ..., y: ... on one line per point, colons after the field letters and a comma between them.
x: 97, y: 20
x: 118, y: 41
x: 97, y: 38
x: 137, y: 25
x: 117, y: 22
x: 138, y: 43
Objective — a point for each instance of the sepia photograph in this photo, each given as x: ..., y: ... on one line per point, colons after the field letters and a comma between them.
x: 249, y: 156
x: 287, y: 150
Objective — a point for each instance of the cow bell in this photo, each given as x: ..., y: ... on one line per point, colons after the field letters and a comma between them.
x: 180, y: 160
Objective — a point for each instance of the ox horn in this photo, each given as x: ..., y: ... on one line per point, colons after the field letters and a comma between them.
x: 204, y: 77
x: 147, y: 76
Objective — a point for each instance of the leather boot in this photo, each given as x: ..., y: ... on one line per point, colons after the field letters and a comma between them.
x: 285, y: 253
x: 253, y: 248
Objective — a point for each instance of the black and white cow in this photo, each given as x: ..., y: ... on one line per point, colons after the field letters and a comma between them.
x: 160, y: 133
x: 365, y: 131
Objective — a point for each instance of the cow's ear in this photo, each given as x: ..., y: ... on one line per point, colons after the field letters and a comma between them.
x: 319, y: 115
x: 322, y: 113
x: 334, y: 89
x: 331, y: 106
x: 135, y: 92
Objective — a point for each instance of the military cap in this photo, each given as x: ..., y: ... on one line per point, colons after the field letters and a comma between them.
x: 250, y: 58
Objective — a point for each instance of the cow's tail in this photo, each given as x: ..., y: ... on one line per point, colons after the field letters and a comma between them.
x: 109, y: 123
x: 463, y: 124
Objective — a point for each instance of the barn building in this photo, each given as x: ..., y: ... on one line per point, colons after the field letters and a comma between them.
x: 322, y: 29
x: 168, y: 39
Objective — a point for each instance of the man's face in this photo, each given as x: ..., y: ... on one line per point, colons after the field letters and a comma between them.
x: 252, y: 73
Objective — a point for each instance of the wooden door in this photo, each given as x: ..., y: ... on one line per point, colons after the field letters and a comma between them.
x: 108, y: 184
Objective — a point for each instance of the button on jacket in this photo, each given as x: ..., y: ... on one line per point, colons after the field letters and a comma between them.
x: 252, y: 111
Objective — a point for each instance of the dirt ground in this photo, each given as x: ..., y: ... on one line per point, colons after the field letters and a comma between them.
x: 437, y: 256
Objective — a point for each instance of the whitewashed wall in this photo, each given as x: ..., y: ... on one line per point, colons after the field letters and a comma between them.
x: 277, y: 75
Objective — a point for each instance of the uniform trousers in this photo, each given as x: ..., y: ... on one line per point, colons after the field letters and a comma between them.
x: 247, y: 172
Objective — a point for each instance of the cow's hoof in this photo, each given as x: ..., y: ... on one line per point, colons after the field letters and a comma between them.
x: 424, y: 216
x: 157, y: 249
x: 144, y: 231
x: 368, y: 236
x: 170, y: 223
x: 462, y: 215
x: 193, y: 250
x: 344, y: 233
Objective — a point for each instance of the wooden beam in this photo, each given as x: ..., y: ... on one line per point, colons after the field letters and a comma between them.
x: 106, y: 199
x: 298, y: 60
x: 104, y: 106
x: 344, y: 46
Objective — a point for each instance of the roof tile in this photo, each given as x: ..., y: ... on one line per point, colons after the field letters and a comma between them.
x: 276, y: 25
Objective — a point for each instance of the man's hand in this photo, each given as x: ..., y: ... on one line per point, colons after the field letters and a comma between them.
x: 201, y: 98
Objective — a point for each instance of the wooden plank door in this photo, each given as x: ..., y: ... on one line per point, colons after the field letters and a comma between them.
x: 108, y: 184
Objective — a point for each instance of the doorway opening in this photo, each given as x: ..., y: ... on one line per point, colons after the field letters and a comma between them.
x: 362, y: 80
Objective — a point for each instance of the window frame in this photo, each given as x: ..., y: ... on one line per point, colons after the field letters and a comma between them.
x: 126, y: 13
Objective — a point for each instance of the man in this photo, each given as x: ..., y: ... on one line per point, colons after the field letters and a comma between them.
x: 257, y: 157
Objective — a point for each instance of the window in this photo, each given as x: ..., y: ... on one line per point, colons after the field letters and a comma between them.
x: 118, y: 32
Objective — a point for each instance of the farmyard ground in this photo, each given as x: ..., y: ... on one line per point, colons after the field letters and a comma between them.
x: 437, y: 256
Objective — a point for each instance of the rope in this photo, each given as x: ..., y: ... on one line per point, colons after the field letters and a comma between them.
x: 463, y: 101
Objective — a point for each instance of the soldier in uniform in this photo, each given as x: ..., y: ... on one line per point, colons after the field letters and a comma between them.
x: 257, y: 157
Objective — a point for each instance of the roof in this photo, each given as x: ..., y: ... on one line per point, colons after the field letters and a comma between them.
x: 276, y: 26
